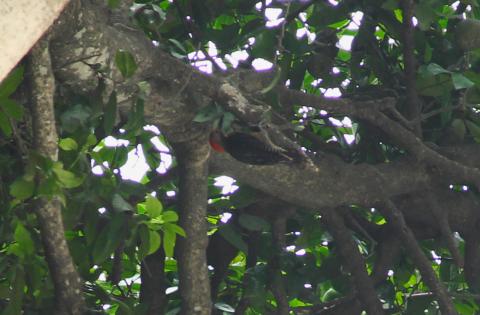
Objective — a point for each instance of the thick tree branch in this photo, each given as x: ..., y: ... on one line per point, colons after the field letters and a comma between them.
x: 152, y: 290
x: 423, y: 153
x: 68, y: 285
x: 298, y: 185
x: 192, y: 261
x: 388, y: 251
x: 371, y: 112
x: 340, y: 106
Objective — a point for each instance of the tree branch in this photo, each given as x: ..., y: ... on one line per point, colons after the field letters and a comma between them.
x: 192, y: 261
x: 68, y: 285
x: 396, y: 219
x: 277, y: 283
x: 300, y: 186
x: 353, y: 261
x: 413, y: 101
x: 444, y: 226
x: 422, y: 152
x: 152, y: 289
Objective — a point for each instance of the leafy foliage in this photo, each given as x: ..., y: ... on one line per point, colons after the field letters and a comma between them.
x: 114, y: 224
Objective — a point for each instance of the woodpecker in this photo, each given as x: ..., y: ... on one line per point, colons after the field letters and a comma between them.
x: 251, y: 149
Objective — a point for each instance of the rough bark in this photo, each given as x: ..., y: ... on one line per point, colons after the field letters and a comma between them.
x: 192, y: 260
x: 68, y: 285
x: 152, y: 290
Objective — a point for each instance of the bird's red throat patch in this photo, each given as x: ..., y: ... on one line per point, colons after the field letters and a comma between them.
x: 216, y: 146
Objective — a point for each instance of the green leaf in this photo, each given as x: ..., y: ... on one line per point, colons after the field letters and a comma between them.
x: 68, y: 144
x: 11, y: 83
x: 125, y: 63
x: 14, y: 306
x: 120, y: 157
x: 330, y: 295
x: 145, y: 89
x: 177, y: 49
x: 11, y: 108
x: 177, y: 229
x: 75, y: 117
x: 154, y: 241
x: 22, y: 188
x: 170, y: 216
x: 427, y: 56
x: 244, y: 196
x: 430, y: 85
x: 108, y: 239
x: 106, y: 154
x: 463, y: 308
x: 461, y: 82
x: 224, y: 307
x: 256, y: 284
x: 265, y: 44
x: 325, y: 14
x: 425, y: 14
x: 169, y: 238
x: 474, y: 129
x: 23, y: 238
x: 91, y: 140
x: 120, y: 204
x: 48, y: 187
x: 159, y: 11
x: 253, y: 223
x: 153, y: 207
x: 112, y: 4
x: 67, y: 179
x: 153, y: 159
x: 109, y: 118
x: 227, y: 120
x: 458, y: 127
x: 233, y: 237
x: 390, y: 5
x: 5, y: 124
x: 143, y: 233
x: 435, y: 69
x: 208, y: 113
x: 123, y: 308
x: 135, y: 119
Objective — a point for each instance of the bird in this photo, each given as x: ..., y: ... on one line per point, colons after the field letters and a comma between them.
x: 251, y: 148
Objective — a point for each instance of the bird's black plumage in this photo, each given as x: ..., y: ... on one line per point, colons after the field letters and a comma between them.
x: 249, y: 149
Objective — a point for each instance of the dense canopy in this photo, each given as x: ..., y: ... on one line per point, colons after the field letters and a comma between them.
x: 114, y: 203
